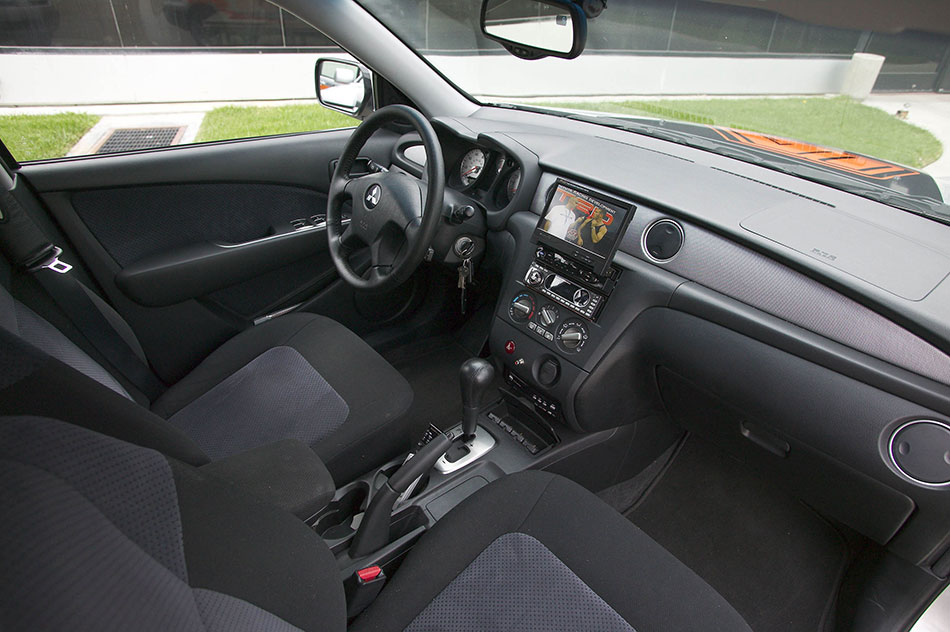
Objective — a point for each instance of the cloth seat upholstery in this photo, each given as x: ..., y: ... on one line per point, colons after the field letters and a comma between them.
x: 301, y: 376
x: 536, y: 552
x: 354, y: 420
x: 153, y: 544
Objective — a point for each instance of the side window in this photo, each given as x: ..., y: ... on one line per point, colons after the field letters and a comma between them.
x: 98, y: 76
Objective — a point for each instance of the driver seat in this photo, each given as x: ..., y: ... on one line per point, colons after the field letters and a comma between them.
x: 300, y: 376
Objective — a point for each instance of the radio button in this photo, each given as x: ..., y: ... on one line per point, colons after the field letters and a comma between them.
x: 534, y: 277
x: 581, y: 297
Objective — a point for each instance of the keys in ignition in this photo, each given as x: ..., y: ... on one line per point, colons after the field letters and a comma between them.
x: 466, y: 275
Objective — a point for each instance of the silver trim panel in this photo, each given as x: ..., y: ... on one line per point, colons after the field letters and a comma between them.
x: 478, y: 447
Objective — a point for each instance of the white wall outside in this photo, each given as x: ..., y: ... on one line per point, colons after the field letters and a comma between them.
x: 158, y: 77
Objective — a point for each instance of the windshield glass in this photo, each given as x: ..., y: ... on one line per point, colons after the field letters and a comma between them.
x: 856, y: 108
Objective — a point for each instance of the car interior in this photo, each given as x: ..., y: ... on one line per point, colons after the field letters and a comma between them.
x: 465, y: 367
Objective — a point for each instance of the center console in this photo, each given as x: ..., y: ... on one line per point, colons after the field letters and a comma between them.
x: 563, y: 307
x: 547, y: 325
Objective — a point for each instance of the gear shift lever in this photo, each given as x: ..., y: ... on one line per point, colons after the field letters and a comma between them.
x: 470, y: 441
x: 475, y: 378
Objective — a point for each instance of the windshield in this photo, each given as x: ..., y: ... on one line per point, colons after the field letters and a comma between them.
x: 856, y: 108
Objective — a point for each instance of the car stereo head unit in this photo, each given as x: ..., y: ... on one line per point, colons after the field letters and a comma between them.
x: 584, y: 225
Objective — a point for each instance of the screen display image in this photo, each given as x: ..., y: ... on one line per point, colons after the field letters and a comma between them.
x: 585, y: 221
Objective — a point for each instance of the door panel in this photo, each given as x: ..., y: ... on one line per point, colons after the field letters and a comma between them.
x: 193, y: 244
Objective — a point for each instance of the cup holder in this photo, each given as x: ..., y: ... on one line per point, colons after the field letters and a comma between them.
x: 335, y: 521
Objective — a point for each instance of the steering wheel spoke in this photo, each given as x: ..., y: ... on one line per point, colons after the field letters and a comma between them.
x: 395, y: 214
x: 349, y: 241
x: 340, y: 186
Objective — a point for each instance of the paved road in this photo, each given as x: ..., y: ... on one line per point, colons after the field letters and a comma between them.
x: 930, y: 111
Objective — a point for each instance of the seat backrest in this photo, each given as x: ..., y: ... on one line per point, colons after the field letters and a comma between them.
x: 33, y: 382
x: 100, y: 534
x: 24, y: 323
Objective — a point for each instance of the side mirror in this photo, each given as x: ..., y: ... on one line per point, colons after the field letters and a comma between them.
x: 344, y: 86
x: 532, y: 29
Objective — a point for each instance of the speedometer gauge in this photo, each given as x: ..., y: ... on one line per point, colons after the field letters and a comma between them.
x: 471, y: 166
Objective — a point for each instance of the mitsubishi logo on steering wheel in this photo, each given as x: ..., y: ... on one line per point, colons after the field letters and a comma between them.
x: 372, y: 196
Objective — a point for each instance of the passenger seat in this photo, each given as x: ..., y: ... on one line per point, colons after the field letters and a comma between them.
x: 300, y: 376
x: 100, y: 534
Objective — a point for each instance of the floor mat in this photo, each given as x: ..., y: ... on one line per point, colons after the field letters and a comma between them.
x: 432, y: 367
x: 626, y: 494
x: 776, y: 561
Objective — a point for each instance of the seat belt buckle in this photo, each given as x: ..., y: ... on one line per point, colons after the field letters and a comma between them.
x: 51, y: 262
x: 362, y: 588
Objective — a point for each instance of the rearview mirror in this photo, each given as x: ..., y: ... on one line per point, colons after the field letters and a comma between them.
x: 532, y: 29
x: 344, y: 86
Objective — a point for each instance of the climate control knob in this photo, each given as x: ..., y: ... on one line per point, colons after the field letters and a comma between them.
x: 548, y: 315
x: 572, y: 335
x: 521, y: 308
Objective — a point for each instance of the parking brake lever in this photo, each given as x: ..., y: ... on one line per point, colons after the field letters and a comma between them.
x: 373, y: 532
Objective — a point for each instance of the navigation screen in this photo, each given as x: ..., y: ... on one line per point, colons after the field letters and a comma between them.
x: 584, y: 221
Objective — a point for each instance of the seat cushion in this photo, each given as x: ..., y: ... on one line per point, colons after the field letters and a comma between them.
x: 533, y: 551
x: 149, y: 544
x: 301, y: 376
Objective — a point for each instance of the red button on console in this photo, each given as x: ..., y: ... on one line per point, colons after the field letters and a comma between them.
x: 510, y: 346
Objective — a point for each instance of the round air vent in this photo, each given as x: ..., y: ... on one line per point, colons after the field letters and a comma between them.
x: 663, y: 240
x: 920, y: 449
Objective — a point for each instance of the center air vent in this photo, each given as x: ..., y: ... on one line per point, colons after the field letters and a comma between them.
x: 663, y: 240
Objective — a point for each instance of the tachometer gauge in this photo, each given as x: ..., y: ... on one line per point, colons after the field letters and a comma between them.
x: 514, y: 181
x: 471, y: 167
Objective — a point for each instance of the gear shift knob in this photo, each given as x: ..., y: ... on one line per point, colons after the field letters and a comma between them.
x: 475, y: 378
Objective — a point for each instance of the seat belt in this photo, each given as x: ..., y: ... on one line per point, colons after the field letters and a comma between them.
x: 28, y: 248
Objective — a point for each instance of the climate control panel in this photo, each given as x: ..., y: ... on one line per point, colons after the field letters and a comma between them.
x: 569, y: 334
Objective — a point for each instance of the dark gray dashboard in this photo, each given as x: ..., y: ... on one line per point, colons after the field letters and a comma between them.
x: 724, y: 195
x: 803, y: 363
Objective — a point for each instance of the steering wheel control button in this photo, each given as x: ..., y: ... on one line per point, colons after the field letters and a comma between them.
x: 663, y: 240
x: 920, y: 450
x: 510, y: 347
x: 373, y: 195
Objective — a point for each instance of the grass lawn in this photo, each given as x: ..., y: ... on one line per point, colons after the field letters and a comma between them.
x: 837, y: 122
x: 32, y: 137
x: 246, y: 122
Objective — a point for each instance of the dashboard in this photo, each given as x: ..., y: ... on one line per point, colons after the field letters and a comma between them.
x: 803, y: 329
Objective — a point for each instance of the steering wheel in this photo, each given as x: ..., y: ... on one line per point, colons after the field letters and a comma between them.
x: 395, y: 214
